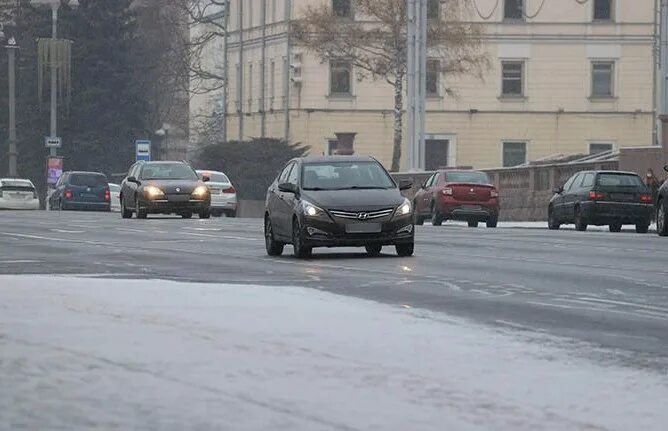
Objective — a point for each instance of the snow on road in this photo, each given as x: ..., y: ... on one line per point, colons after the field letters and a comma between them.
x: 80, y: 354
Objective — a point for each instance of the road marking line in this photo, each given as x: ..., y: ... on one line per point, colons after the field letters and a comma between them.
x: 67, y: 231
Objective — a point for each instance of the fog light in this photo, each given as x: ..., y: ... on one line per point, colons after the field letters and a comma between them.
x: 406, y: 229
x: 312, y: 231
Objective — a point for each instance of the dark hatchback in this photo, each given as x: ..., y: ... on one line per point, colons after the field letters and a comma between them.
x: 86, y: 191
x: 164, y: 188
x: 600, y: 198
x: 337, y: 201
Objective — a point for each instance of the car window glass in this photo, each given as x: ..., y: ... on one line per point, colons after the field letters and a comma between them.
x: 284, y: 175
x: 619, y: 180
x: 346, y: 175
x: 588, y: 180
x: 429, y: 181
x: 574, y: 184
x: 294, y: 175
x: 214, y: 177
x: 168, y: 171
x: 472, y: 177
x: 88, y: 180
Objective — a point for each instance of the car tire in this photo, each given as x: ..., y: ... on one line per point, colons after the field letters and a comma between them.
x: 187, y: 215
x: 300, y: 250
x: 642, y: 227
x: 580, y: 224
x: 473, y: 224
x: 274, y: 248
x: 61, y: 206
x: 125, y: 213
x: 552, y: 222
x: 373, y: 249
x: 141, y: 214
x: 231, y: 214
x: 205, y: 214
x: 662, y: 218
x: 615, y: 227
x: 492, y: 223
x: 436, y: 216
x: 405, y: 250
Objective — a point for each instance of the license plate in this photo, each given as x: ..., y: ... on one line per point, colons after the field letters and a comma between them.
x: 16, y: 195
x: 471, y: 207
x: 364, y: 228
x: 178, y: 198
x: 621, y: 197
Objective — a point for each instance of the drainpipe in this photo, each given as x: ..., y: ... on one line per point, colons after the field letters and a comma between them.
x: 288, y: 56
x: 240, y: 71
x: 263, y: 68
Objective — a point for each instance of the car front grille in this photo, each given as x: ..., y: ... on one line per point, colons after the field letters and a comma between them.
x: 362, y: 215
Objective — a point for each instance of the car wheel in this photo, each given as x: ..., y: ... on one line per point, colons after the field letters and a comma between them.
x: 661, y: 221
x: 552, y: 222
x: 492, y: 222
x: 141, y: 213
x: 274, y: 248
x: 187, y: 215
x: 231, y: 214
x: 61, y: 206
x: 373, y: 249
x: 436, y: 216
x: 616, y: 227
x: 125, y: 213
x: 580, y: 224
x: 300, y: 250
x: 473, y: 224
x: 642, y: 227
x: 205, y: 214
x: 405, y: 250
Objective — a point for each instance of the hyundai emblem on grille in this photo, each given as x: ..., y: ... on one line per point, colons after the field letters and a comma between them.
x: 178, y: 190
x: 363, y: 216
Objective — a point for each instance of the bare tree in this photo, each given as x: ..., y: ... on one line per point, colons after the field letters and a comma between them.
x: 375, y: 43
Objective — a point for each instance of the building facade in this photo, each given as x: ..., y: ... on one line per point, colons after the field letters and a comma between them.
x: 566, y: 77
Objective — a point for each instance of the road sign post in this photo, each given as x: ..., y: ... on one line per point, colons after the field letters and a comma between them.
x: 143, y: 150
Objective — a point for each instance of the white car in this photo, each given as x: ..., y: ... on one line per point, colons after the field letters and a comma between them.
x: 115, y: 194
x: 17, y: 194
x: 223, y: 193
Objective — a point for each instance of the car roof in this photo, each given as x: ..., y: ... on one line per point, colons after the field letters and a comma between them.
x: 447, y: 171
x: 209, y: 171
x: 615, y: 172
x: 21, y: 180
x: 164, y: 162
x: 86, y: 173
x: 325, y: 159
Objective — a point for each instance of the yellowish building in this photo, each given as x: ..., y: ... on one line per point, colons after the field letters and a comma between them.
x: 566, y: 77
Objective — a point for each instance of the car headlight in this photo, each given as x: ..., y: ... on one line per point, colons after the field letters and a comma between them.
x: 152, y: 192
x: 311, y: 210
x: 201, y: 191
x: 405, y: 208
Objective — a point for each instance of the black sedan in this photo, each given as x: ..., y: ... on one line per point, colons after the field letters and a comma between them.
x: 598, y: 198
x: 164, y: 188
x: 337, y: 201
x: 662, y: 208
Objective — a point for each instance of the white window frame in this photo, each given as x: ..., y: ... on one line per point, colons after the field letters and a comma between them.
x: 527, y: 146
x: 352, y: 10
x: 452, y: 146
x: 523, y: 94
x: 521, y: 19
x: 613, y: 145
x: 613, y: 12
x: 613, y: 77
x: 352, y: 80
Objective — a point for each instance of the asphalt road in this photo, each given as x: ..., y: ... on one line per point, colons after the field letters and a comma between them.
x: 609, y: 290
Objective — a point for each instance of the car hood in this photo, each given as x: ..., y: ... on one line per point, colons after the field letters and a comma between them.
x: 170, y: 186
x: 362, y: 200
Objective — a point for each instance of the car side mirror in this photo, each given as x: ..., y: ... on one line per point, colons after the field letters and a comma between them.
x: 665, y: 168
x: 405, y: 185
x: 558, y: 190
x: 206, y: 178
x: 132, y: 180
x: 288, y: 188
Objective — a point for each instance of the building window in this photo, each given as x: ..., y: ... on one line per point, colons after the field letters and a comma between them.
x: 514, y: 154
x: 341, y: 72
x: 603, y: 10
x: 512, y: 77
x: 433, y: 77
x: 342, y: 8
x: 513, y: 9
x: 433, y: 9
x: 599, y: 147
x: 603, y: 79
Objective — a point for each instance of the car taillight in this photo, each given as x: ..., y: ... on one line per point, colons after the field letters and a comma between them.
x: 447, y: 191
x: 107, y: 195
x: 494, y: 193
x: 230, y: 190
x: 595, y: 196
x: 646, y: 199
x: 68, y: 194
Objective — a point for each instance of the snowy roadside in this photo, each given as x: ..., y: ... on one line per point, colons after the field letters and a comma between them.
x: 543, y: 225
x: 81, y: 354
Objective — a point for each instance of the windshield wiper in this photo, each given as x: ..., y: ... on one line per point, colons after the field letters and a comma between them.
x: 363, y: 188
x: 314, y: 189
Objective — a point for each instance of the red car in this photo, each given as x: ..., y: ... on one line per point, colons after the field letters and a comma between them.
x: 457, y: 195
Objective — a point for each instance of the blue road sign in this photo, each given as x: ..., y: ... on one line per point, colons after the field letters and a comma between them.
x: 143, y: 150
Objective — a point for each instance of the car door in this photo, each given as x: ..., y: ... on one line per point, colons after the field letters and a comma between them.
x: 571, y: 197
x: 426, y: 196
x: 291, y: 200
x: 419, y: 197
x: 129, y: 189
x: 57, y: 194
x: 278, y: 209
x: 559, y: 199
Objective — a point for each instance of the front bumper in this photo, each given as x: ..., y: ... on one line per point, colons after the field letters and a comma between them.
x: 474, y: 211
x: 167, y: 206
x: 319, y: 232
x: 602, y: 213
x: 7, y: 204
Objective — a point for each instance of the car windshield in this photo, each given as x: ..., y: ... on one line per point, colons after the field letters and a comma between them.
x: 472, y: 177
x: 345, y: 176
x: 168, y: 171
x: 619, y: 180
x: 214, y: 177
x: 88, y: 180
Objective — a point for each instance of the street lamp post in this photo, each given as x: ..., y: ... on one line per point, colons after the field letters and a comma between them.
x: 54, y: 5
x: 11, y: 47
